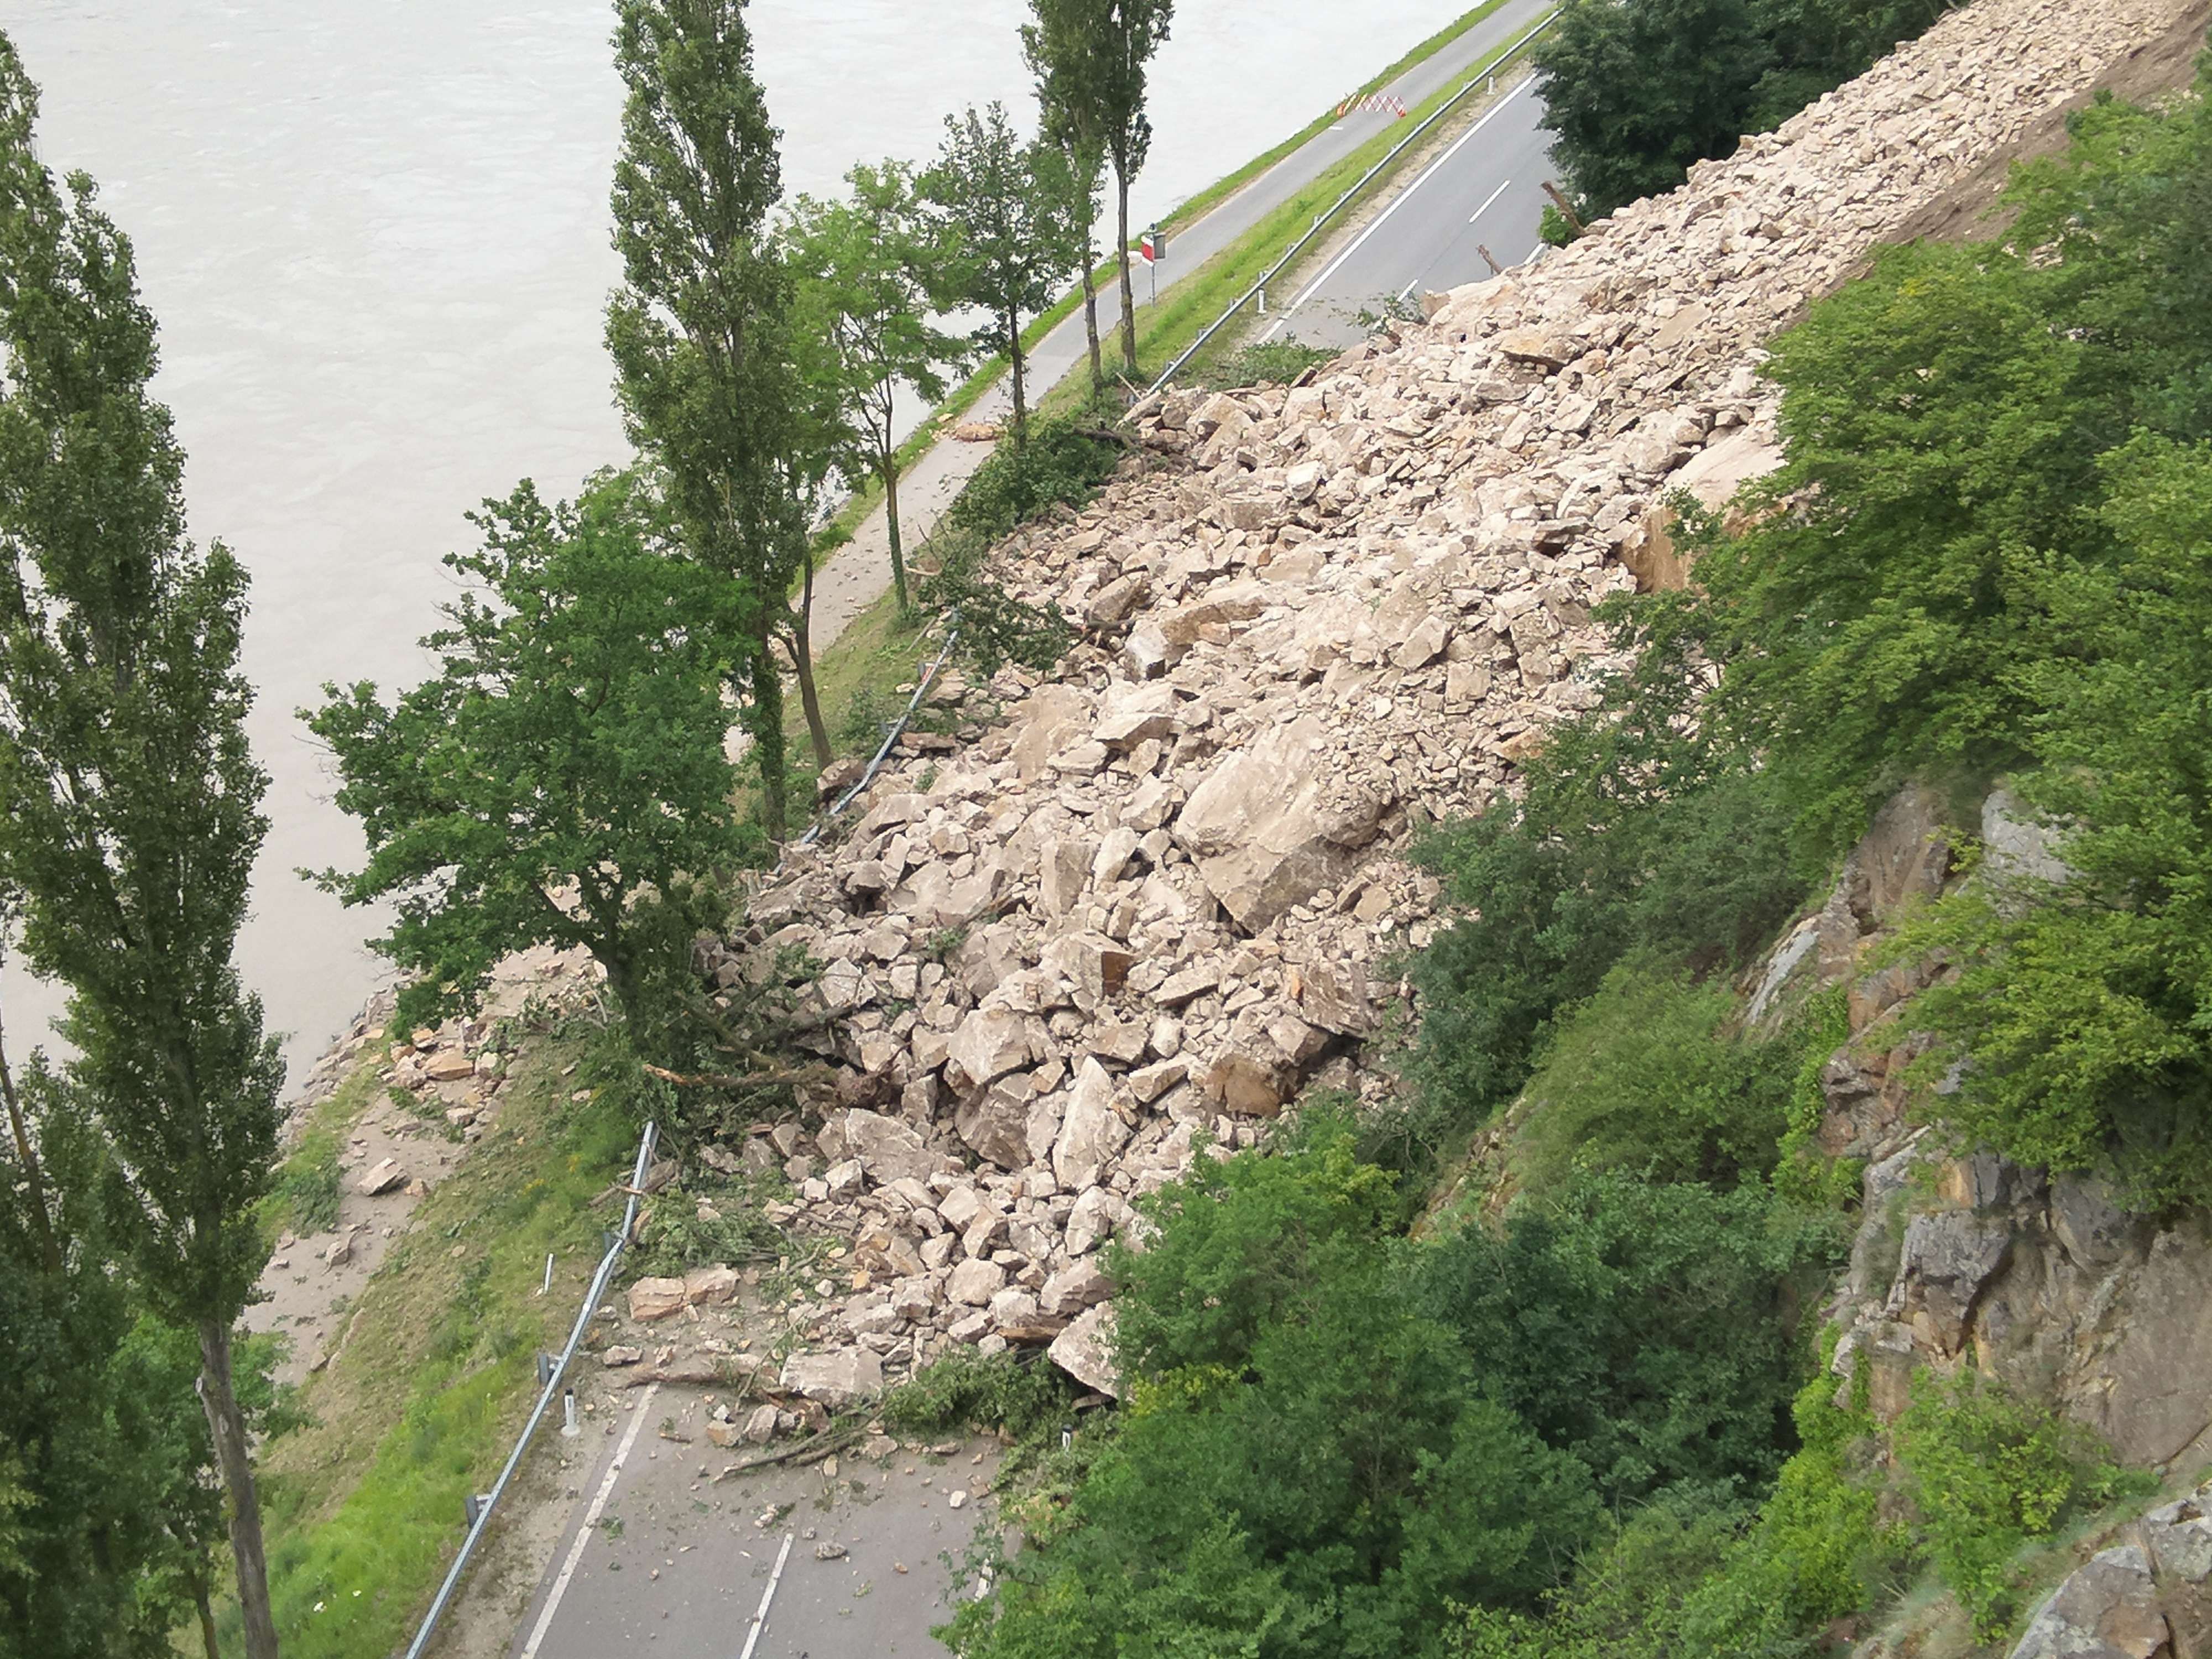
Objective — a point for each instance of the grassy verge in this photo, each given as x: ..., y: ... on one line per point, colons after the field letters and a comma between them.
x: 305, y: 1197
x: 854, y: 513
x: 1185, y: 310
x: 1221, y: 190
x: 363, y: 1506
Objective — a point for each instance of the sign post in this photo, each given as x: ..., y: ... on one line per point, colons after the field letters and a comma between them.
x: 1153, y: 248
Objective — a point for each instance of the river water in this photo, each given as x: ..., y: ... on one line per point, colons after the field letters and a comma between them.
x: 375, y: 234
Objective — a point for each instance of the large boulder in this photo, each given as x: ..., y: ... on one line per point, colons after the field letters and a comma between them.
x: 1275, y: 824
x: 990, y: 1042
x: 890, y: 1150
x: 1085, y: 1350
x: 2106, y: 1609
x: 1090, y: 1133
x: 995, y: 1122
x: 837, y: 1380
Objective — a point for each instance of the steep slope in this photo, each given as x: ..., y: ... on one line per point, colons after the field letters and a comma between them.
x: 1156, y: 896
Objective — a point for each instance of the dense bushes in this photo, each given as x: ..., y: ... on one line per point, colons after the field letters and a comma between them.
x: 1061, y: 465
x: 1637, y: 92
x: 1333, y: 1436
x: 1637, y: 834
x: 1645, y: 1077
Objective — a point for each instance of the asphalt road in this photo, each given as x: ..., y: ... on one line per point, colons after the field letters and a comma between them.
x: 1485, y: 190
x: 662, y: 1558
x: 860, y: 573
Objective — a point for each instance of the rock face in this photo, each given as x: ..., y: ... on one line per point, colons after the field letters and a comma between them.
x: 2042, y: 1282
x: 2146, y: 1597
x: 1155, y: 897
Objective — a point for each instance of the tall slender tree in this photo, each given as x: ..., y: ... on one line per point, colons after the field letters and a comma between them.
x: 1125, y: 33
x: 129, y: 804
x: 1011, y: 205
x: 870, y: 271
x: 699, y: 329
x: 1060, y: 53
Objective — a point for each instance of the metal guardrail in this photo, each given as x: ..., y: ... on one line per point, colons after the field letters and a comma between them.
x: 1336, y: 207
x: 892, y: 734
x: 545, y: 1400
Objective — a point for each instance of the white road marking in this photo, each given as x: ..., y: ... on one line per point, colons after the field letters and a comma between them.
x: 1399, y: 200
x: 1408, y: 288
x: 1494, y: 194
x: 591, y: 1520
x: 760, y: 1618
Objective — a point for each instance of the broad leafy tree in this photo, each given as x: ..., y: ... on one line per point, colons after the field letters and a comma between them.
x: 1011, y: 205
x: 1640, y: 90
x: 868, y: 270
x: 562, y: 780
x: 699, y: 330
x: 129, y: 805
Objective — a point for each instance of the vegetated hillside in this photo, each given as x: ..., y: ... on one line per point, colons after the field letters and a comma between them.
x: 1168, y: 889
x: 1611, y: 1400
x: 1943, y: 672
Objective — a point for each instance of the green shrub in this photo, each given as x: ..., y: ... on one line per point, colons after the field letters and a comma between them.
x: 1278, y: 361
x: 1650, y: 1330
x: 1636, y: 835
x: 966, y: 1390
x: 1239, y: 1243
x: 1645, y: 1077
x: 1061, y: 466
x: 1988, y: 1474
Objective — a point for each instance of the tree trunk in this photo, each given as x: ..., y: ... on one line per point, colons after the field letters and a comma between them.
x: 890, y: 469
x: 1014, y: 351
x: 28, y: 1157
x: 1091, y: 303
x: 206, y: 1609
x: 1128, y: 287
x: 802, y: 658
x: 226, y: 1427
x: 767, y: 722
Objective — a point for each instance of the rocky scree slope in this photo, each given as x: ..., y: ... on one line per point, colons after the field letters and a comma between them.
x: 1156, y: 896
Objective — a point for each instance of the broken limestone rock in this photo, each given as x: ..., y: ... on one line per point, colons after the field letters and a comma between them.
x: 1275, y: 824
x: 655, y: 1298
x: 836, y: 1380
x: 1084, y: 1351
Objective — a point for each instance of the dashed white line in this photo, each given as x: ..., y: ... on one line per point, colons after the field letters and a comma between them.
x: 591, y: 1520
x: 1397, y: 201
x: 1493, y: 196
x: 760, y: 1617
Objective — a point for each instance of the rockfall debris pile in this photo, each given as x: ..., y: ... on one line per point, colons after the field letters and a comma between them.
x: 1161, y: 893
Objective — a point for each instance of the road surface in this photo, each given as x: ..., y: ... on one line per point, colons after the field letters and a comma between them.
x: 1485, y: 190
x: 662, y: 1559
x: 860, y: 573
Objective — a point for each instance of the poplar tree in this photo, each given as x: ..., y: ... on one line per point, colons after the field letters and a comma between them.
x: 698, y: 329
x: 1060, y: 53
x: 1012, y: 206
x: 869, y: 271
x: 1123, y: 36
x: 129, y: 804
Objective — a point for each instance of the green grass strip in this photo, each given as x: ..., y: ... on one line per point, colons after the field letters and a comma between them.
x: 848, y: 519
